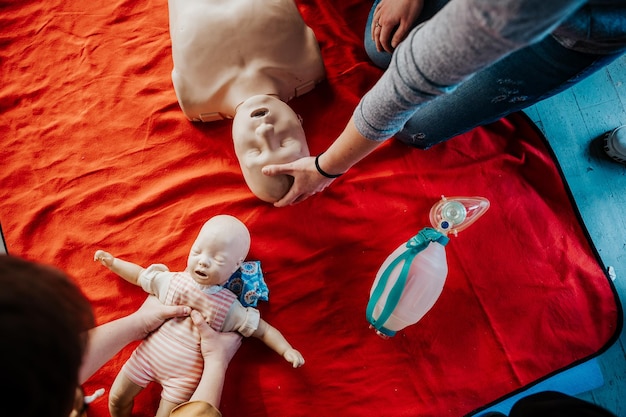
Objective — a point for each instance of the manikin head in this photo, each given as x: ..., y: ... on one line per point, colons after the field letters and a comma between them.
x: 220, y: 248
x: 267, y: 131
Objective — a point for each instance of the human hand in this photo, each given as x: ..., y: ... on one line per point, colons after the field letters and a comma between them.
x: 215, y: 346
x: 294, y: 357
x: 153, y: 313
x: 105, y: 258
x: 392, y: 21
x: 307, y: 181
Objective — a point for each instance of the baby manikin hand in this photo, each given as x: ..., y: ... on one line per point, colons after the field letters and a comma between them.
x: 294, y: 357
x: 105, y: 258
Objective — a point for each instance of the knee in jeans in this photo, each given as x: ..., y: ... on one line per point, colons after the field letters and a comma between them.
x: 416, y: 140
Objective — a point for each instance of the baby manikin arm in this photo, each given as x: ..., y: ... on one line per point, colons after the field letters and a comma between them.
x: 247, y: 321
x: 244, y: 320
x: 275, y: 340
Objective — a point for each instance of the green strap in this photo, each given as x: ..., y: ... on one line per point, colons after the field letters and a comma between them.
x: 415, y: 245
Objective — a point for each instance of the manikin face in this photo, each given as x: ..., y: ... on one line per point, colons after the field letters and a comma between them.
x: 219, y: 249
x: 267, y: 131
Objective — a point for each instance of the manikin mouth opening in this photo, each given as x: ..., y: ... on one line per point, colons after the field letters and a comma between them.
x: 259, y: 113
x: 202, y: 274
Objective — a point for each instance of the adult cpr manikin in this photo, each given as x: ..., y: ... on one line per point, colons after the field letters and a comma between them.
x: 252, y: 54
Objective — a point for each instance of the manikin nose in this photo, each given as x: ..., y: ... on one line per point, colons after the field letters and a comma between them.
x: 265, y: 132
x: 205, y: 262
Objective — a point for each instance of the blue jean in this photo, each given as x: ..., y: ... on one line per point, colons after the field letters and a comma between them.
x: 513, y: 83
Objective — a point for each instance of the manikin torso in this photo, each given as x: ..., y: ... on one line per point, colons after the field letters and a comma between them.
x: 225, y: 51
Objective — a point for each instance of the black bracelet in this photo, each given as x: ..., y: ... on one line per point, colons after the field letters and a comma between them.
x: 321, y: 171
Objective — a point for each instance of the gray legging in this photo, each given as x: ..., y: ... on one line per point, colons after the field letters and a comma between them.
x: 515, y: 82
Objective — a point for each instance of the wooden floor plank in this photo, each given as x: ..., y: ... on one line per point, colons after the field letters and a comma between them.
x: 571, y: 121
x: 617, y: 72
x: 587, y: 94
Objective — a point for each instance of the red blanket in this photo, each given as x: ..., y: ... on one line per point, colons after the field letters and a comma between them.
x: 97, y: 154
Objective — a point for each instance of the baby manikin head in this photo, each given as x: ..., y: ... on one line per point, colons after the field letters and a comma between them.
x: 219, y: 250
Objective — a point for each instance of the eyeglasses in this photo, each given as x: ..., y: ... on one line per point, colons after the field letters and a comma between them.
x: 81, y: 402
x: 80, y: 408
